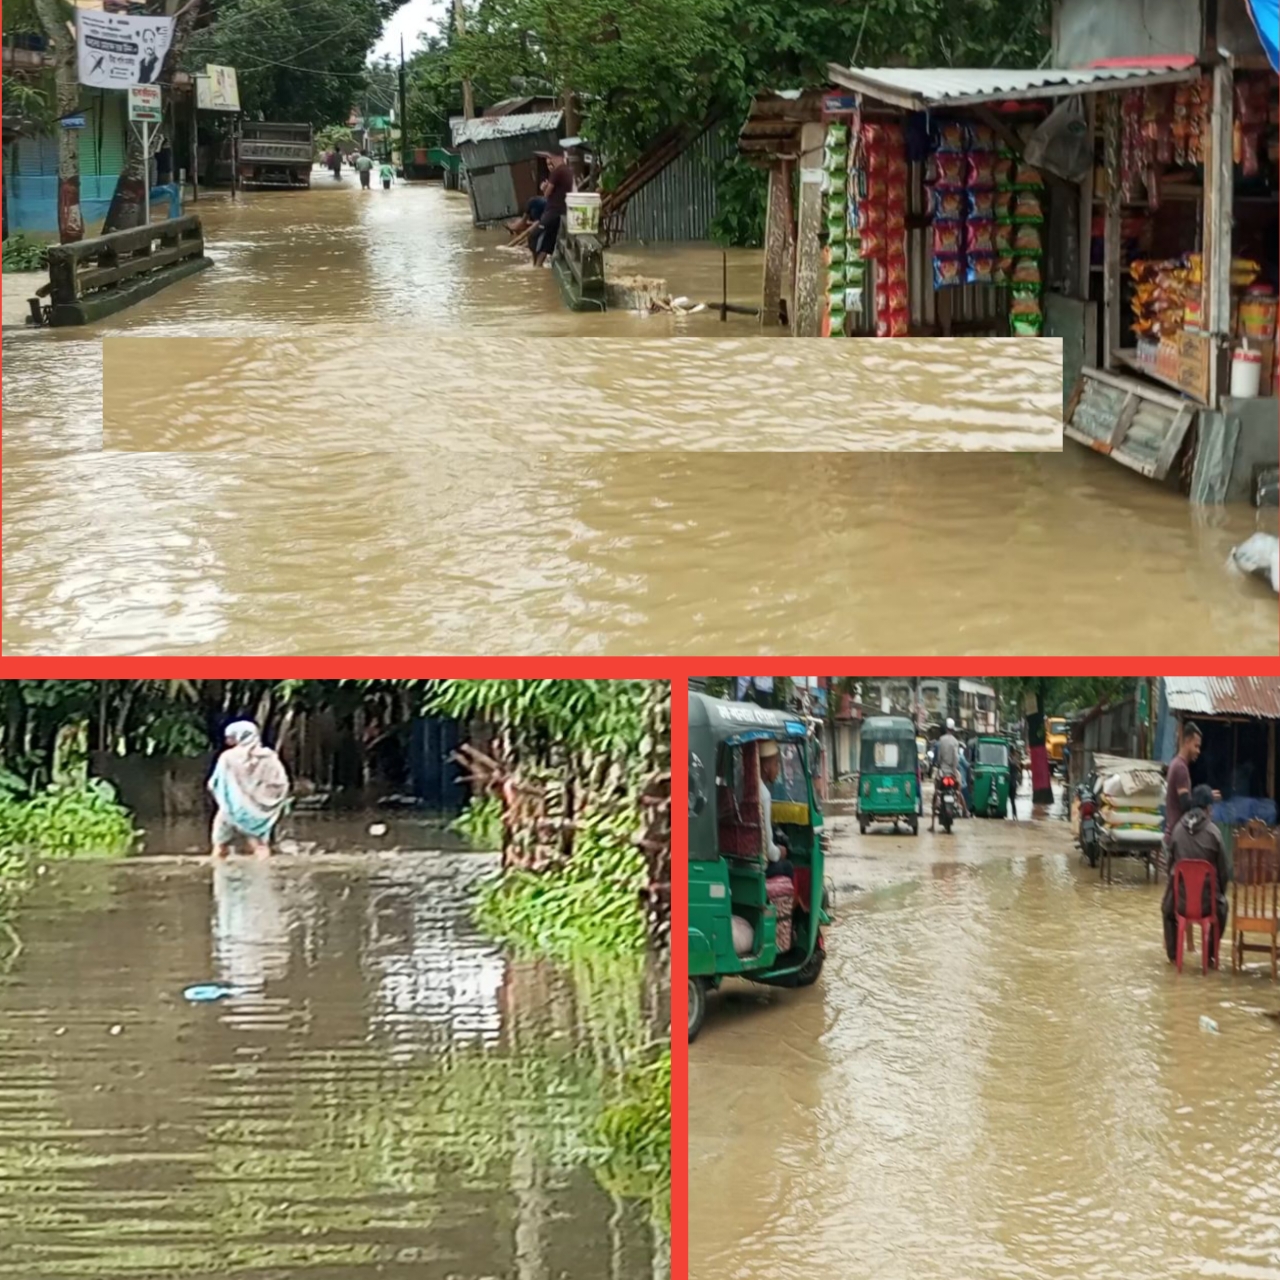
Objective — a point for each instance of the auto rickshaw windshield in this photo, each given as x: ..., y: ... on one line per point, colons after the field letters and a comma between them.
x: 889, y: 755
x: 992, y: 753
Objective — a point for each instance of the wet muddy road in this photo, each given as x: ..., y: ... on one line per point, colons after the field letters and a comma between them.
x: 304, y: 513
x: 999, y: 1077
x: 392, y: 1096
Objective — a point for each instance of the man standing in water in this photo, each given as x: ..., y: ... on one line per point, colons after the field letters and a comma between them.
x: 1194, y: 836
x: 364, y: 167
x: 1177, y: 791
x: 559, y: 184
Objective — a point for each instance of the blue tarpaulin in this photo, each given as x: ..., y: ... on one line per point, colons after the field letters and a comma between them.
x: 1266, y: 17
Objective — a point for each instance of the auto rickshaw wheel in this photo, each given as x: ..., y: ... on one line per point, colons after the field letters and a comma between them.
x: 862, y: 824
x: 810, y: 971
x: 915, y: 826
x: 697, y: 1006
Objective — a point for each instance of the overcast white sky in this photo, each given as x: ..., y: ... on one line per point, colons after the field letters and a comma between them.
x: 410, y: 21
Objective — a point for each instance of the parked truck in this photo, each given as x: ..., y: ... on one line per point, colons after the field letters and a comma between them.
x: 275, y: 155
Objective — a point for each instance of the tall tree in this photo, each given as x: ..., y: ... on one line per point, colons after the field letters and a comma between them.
x: 57, y: 18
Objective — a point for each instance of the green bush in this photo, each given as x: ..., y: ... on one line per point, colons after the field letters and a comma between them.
x: 591, y: 904
x: 66, y: 821
x: 22, y: 253
x: 481, y: 823
x: 635, y: 1139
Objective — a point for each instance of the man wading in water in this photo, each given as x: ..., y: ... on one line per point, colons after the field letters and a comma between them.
x: 364, y: 167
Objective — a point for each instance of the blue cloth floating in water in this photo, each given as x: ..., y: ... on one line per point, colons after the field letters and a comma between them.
x: 205, y: 991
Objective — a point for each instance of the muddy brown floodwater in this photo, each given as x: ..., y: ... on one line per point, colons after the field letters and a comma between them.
x: 263, y: 536
x: 998, y: 1077
x: 391, y: 1096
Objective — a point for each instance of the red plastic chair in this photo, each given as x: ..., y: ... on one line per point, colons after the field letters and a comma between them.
x: 1191, y: 875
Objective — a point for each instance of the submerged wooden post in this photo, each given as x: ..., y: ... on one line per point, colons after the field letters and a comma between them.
x: 775, y: 245
x: 808, y: 317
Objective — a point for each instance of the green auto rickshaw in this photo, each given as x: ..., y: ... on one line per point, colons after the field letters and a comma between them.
x: 889, y: 776
x: 742, y: 922
x: 989, y: 766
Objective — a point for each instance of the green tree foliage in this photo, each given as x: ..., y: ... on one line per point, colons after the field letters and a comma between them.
x: 1061, y: 694
x: 295, y: 59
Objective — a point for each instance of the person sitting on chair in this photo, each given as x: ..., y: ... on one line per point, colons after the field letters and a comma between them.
x: 1196, y: 837
x: 776, y: 862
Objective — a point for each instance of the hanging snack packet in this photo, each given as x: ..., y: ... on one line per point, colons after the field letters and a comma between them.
x: 895, y: 269
x: 898, y: 298
x: 947, y: 272
x: 835, y: 160
x: 1003, y: 272
x: 950, y: 136
x: 946, y: 239
x: 979, y: 237
x: 881, y: 137
x: 981, y: 170
x: 835, y: 253
x: 1026, y: 271
x: 981, y: 137
x: 837, y: 206
x: 1027, y: 177
x: 853, y: 299
x: 1026, y: 240
x: 948, y: 171
x: 1003, y: 169
x: 835, y: 324
x: 981, y: 269
x: 854, y: 272
x: 871, y: 215
x: 982, y: 204
x: 836, y: 231
x: 835, y: 279
x: 882, y: 326
x: 874, y: 243
x: 1002, y: 237
x: 1026, y: 207
x: 897, y: 168
x: 837, y: 135
x: 899, y: 323
x: 877, y: 188
x: 948, y: 206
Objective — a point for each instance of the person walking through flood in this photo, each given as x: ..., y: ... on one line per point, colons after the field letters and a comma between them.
x: 1196, y: 837
x: 335, y: 163
x: 387, y: 174
x: 559, y: 184
x: 251, y: 788
x: 364, y: 167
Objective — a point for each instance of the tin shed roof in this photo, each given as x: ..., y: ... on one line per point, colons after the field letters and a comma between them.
x: 923, y: 88
x: 1224, y: 695
x: 487, y: 127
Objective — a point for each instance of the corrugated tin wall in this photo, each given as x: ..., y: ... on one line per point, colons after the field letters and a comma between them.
x: 681, y: 201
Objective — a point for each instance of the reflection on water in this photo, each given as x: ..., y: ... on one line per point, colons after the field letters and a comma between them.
x: 394, y: 1097
x: 359, y: 545
x: 999, y: 1076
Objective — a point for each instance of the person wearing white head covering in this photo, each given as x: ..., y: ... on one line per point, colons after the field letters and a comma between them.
x: 251, y: 788
x: 770, y: 768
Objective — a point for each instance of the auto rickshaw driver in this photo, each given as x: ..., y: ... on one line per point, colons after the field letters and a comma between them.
x: 776, y: 844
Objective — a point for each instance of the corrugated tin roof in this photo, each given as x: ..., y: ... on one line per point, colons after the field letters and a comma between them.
x: 504, y: 126
x: 920, y: 88
x: 1224, y: 695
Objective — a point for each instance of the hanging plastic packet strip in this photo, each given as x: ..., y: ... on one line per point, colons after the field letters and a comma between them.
x: 853, y: 299
x: 874, y: 243
x: 835, y: 324
x: 1003, y: 169
x: 1002, y: 237
x: 871, y: 215
x: 836, y: 253
x: 835, y: 160
x: 854, y: 272
x: 1027, y: 177
x: 838, y: 135
x: 1003, y: 271
x: 895, y: 269
x: 835, y: 279
x: 1026, y: 271
x: 836, y: 230
x: 837, y: 206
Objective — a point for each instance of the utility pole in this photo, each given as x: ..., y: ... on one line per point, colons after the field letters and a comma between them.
x: 404, y: 120
x: 460, y: 26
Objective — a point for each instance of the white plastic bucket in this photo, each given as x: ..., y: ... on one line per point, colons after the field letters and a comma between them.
x: 582, y: 213
x: 1246, y: 373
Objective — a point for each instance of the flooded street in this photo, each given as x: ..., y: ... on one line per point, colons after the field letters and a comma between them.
x: 309, y: 507
x: 390, y: 1095
x: 999, y: 1076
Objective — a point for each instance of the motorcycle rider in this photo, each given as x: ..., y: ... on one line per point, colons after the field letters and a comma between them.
x: 946, y: 765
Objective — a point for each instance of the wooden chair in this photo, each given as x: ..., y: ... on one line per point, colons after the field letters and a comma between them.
x: 1255, y: 895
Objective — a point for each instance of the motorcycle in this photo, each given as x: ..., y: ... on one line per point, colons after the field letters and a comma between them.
x: 947, y: 802
x: 1090, y: 820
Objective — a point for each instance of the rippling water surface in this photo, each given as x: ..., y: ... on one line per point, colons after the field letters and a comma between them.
x: 392, y: 1096
x: 998, y: 1076
x: 329, y: 500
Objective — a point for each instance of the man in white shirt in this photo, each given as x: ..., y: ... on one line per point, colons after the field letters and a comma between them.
x: 770, y: 767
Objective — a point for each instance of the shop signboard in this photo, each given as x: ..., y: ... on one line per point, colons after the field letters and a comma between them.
x: 144, y: 104
x: 218, y: 89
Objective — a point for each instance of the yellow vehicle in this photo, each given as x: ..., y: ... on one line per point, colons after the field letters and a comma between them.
x: 1056, y: 734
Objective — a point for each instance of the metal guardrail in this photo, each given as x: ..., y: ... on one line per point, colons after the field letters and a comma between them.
x: 93, y: 278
